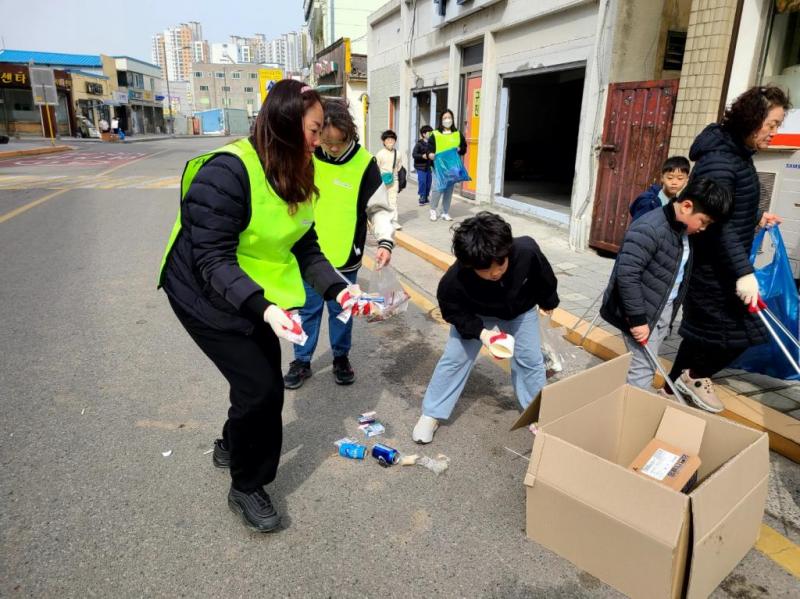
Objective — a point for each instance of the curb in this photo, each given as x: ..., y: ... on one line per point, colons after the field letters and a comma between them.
x: 34, y: 151
x: 783, y: 430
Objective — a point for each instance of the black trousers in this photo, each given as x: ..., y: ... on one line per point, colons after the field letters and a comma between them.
x: 253, y: 432
x: 703, y: 360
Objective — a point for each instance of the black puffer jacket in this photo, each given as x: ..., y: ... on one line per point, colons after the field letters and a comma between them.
x: 646, y: 270
x: 202, y: 274
x: 712, y: 314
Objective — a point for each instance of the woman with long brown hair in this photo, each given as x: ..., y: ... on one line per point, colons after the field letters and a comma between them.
x: 243, y: 242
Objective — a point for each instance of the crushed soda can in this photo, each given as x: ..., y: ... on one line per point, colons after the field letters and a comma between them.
x: 354, y: 451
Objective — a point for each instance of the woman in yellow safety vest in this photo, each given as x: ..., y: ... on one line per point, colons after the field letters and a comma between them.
x: 444, y: 137
x: 242, y: 244
x: 351, y: 195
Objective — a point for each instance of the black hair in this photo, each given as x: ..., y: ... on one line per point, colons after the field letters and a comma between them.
x: 482, y: 240
x: 388, y: 134
x: 338, y: 116
x: 452, y: 116
x: 425, y: 129
x: 708, y: 197
x: 280, y: 142
x: 747, y: 113
x: 676, y: 163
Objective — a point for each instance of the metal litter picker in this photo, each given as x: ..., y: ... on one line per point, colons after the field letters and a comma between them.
x: 664, y: 374
x: 760, y: 308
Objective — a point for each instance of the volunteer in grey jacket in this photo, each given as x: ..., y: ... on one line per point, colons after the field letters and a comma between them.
x: 651, y: 273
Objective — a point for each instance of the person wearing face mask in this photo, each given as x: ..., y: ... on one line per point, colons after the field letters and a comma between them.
x: 390, y: 162
x: 446, y: 136
x: 351, y: 195
x: 241, y: 246
x: 491, y: 297
x: 717, y: 326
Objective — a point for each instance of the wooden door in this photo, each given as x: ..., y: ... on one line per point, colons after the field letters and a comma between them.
x: 472, y: 123
x: 635, y: 142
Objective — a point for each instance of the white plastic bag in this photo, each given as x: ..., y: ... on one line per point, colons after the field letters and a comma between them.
x: 386, y: 296
x: 555, y: 348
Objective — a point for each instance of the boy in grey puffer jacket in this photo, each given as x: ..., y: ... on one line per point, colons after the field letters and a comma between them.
x: 651, y: 273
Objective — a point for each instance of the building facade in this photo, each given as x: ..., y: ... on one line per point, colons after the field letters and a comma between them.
x: 328, y: 20
x: 176, y: 48
x: 138, y: 83
x: 523, y: 80
x: 227, y: 86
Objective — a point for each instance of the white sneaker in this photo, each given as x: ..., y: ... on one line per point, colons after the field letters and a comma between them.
x: 423, y: 431
x: 433, y: 214
x: 446, y: 216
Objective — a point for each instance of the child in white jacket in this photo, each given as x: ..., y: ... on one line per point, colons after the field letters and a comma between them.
x: 390, y: 162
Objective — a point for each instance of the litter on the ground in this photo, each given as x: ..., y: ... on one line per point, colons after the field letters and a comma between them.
x: 386, y: 456
x: 516, y: 453
x: 344, y: 440
x: 167, y: 453
x: 409, y: 460
x: 437, y: 465
x: 373, y: 429
x: 208, y: 452
x: 354, y: 451
x: 83, y: 411
x: 367, y: 417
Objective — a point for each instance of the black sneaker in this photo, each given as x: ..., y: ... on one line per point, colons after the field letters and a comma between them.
x: 342, y: 371
x: 299, y: 371
x: 221, y: 456
x: 255, y: 508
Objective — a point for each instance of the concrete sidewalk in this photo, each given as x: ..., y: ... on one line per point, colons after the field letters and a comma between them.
x: 31, y: 147
x: 582, y: 277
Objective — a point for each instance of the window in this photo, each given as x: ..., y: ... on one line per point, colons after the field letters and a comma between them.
x: 472, y: 55
x: 253, y: 75
x: 219, y: 75
x: 250, y: 102
x: 203, y: 88
x: 198, y: 74
x: 248, y: 90
x: 152, y: 84
x: 236, y: 75
x: 226, y: 88
x: 781, y: 67
x: 673, y: 53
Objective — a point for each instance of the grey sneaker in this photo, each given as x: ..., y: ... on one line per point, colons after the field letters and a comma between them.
x: 700, y: 392
x: 255, y: 509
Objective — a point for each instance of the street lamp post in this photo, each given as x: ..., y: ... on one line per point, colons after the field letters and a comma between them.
x: 225, y: 99
x: 170, y: 127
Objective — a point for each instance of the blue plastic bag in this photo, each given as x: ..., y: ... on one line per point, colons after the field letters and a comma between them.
x: 778, y: 290
x: 448, y: 169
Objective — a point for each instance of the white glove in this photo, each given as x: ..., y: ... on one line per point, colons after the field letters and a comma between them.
x: 282, y: 323
x: 348, y: 298
x: 747, y: 289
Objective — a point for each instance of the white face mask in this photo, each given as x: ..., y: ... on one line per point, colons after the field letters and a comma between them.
x: 447, y: 123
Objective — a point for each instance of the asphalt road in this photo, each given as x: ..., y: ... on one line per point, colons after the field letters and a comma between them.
x: 98, y: 379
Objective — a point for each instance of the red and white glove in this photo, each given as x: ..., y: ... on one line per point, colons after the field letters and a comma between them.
x: 490, y: 338
x: 348, y: 299
x: 282, y: 324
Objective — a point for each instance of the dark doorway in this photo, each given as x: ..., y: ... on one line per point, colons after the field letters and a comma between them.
x: 542, y: 140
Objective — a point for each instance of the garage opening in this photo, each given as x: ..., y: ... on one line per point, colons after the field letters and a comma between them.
x: 542, y: 138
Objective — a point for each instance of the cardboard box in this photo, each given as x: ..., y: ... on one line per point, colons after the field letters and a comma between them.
x: 637, y: 535
x: 667, y: 464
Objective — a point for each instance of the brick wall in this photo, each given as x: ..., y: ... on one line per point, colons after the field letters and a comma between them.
x: 707, y: 43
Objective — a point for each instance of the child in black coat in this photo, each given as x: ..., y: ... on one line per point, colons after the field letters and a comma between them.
x: 422, y: 164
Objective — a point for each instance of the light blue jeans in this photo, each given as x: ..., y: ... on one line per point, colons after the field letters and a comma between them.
x: 642, y: 371
x: 446, y: 196
x: 451, y: 373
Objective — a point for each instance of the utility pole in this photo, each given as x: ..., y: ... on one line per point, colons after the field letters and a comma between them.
x: 170, y: 128
x: 225, y: 99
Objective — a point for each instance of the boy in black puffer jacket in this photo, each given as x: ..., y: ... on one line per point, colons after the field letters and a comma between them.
x: 651, y: 274
x: 422, y: 164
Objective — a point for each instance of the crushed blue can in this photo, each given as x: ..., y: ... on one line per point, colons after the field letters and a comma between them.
x: 385, y: 455
x: 354, y: 451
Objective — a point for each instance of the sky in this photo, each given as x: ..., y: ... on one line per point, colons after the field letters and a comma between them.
x: 126, y: 28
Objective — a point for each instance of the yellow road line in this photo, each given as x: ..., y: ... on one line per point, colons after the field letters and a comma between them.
x: 779, y: 549
x: 28, y: 206
x: 17, y: 211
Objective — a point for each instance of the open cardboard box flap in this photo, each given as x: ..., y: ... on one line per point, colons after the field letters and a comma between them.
x: 563, y: 397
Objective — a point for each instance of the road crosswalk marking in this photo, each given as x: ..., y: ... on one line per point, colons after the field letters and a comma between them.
x: 12, y: 182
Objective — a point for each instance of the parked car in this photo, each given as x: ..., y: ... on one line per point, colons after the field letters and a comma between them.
x: 86, y: 128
